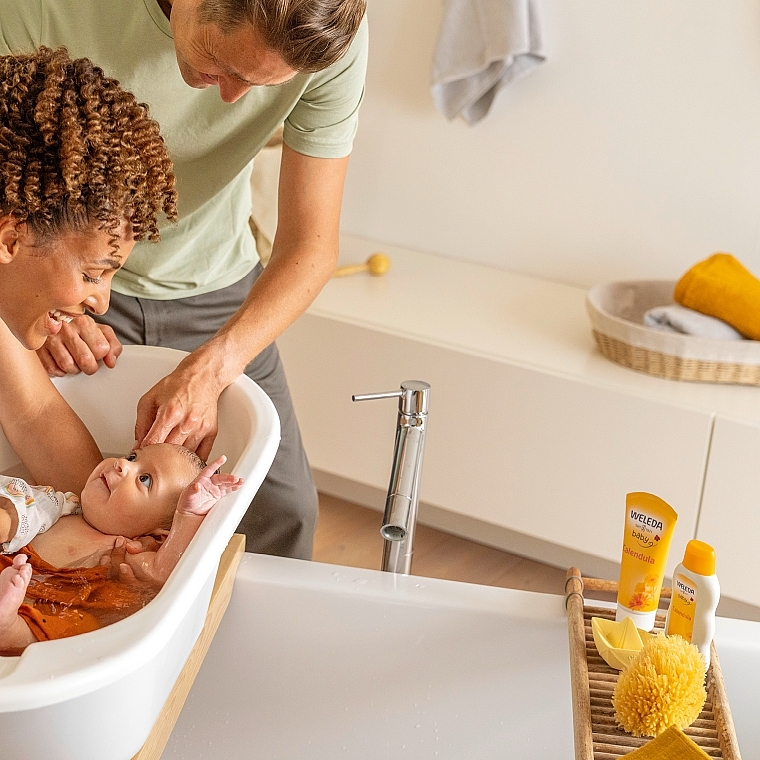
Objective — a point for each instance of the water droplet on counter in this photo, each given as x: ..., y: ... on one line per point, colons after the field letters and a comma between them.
x: 418, y: 726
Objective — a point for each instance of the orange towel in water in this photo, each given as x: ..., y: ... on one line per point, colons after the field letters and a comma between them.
x: 721, y: 287
x: 63, y: 602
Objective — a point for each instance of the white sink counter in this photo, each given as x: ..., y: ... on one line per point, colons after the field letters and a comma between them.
x: 318, y: 662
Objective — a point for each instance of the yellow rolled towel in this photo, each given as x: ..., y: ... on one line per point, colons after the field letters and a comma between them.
x: 721, y: 287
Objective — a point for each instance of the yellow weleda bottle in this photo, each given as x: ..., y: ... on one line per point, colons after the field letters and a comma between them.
x: 696, y: 593
x: 649, y: 525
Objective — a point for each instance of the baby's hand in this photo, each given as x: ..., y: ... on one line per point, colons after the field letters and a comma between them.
x: 207, y: 489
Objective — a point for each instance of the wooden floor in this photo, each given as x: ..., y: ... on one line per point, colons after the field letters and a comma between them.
x: 348, y: 534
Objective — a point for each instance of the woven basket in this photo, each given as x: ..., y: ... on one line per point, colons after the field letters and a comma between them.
x: 617, y: 312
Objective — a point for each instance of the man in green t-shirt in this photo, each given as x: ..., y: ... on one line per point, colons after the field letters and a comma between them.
x: 220, y: 76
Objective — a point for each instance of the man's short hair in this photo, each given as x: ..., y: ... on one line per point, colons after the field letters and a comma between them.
x: 309, y: 35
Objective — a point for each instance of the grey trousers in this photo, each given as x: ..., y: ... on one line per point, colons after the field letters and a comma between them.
x: 282, y: 517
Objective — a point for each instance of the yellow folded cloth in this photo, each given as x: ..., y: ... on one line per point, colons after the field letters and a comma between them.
x: 672, y: 744
x: 721, y: 287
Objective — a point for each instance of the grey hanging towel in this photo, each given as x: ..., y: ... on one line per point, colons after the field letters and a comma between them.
x: 483, y: 45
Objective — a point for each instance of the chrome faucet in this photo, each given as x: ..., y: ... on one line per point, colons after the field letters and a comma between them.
x: 401, y: 505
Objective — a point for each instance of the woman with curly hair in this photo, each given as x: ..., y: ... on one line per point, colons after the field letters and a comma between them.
x: 84, y: 173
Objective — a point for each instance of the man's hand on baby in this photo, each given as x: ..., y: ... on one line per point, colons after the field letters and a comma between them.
x: 207, y: 489
x: 78, y: 347
x: 181, y: 408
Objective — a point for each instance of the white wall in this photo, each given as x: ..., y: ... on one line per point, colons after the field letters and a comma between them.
x: 633, y: 152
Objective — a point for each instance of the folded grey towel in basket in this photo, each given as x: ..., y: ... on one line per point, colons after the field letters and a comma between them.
x: 677, y: 318
x: 483, y: 45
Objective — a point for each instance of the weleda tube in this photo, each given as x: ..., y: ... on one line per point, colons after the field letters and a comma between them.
x: 649, y: 525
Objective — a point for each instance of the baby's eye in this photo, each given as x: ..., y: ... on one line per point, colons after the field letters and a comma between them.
x: 92, y: 280
x: 131, y: 456
x: 146, y: 480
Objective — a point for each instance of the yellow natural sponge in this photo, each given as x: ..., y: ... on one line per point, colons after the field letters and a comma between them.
x: 663, y: 686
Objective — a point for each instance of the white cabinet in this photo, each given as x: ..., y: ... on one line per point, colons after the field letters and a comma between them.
x: 531, y: 430
x: 730, y: 517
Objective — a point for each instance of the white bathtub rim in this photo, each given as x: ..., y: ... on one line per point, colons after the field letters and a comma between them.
x: 30, y: 685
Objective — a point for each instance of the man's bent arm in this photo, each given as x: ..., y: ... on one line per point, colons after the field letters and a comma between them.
x: 181, y: 408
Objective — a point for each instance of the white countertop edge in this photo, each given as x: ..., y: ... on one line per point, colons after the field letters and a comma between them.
x: 556, y: 339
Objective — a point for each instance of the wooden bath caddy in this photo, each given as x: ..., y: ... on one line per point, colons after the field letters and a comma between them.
x: 592, y: 681
x: 220, y: 597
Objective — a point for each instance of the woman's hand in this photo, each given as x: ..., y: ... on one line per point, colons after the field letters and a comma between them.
x: 135, y: 560
x: 78, y: 347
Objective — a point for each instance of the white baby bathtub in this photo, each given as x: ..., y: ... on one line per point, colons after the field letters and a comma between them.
x: 97, y: 696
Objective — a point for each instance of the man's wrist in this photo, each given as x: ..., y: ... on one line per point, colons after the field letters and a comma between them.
x: 219, y: 360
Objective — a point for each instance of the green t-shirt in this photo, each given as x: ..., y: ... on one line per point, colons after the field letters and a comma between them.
x: 212, y: 143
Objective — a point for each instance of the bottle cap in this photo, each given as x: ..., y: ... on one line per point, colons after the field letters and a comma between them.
x: 699, y: 557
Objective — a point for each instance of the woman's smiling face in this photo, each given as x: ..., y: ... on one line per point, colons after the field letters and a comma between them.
x: 47, y: 281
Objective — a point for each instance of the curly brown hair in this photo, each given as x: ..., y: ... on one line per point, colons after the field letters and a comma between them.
x: 76, y: 149
x: 309, y: 35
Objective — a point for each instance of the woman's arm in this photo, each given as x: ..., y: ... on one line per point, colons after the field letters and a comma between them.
x: 49, y: 438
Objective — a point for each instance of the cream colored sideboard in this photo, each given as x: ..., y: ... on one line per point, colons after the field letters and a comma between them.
x: 534, y: 438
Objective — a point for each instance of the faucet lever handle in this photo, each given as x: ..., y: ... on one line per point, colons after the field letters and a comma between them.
x: 414, y: 397
x: 374, y: 396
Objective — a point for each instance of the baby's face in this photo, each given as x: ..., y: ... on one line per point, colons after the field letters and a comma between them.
x: 135, y: 495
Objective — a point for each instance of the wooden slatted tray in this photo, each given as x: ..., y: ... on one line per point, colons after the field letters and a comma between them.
x: 597, y: 736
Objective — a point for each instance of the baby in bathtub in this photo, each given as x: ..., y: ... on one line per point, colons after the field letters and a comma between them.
x: 67, y: 542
